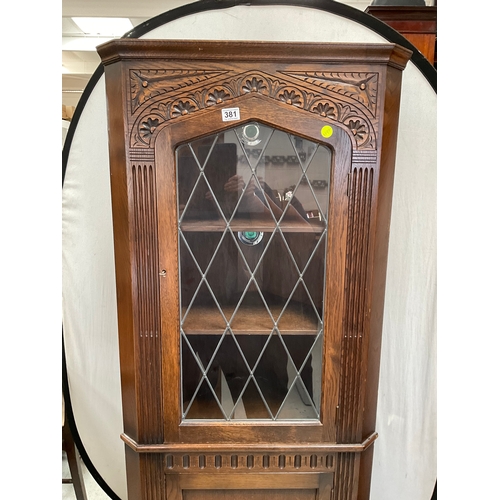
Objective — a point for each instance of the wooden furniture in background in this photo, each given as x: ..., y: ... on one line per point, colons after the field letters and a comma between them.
x: 75, y: 468
x: 251, y: 195
x: 417, y: 24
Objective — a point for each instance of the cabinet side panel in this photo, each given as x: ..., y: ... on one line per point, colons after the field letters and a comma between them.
x: 346, y: 477
x: 381, y: 243
x: 354, y: 316
x: 365, y: 474
x: 153, y: 484
x: 147, y: 322
x: 133, y: 186
x: 122, y: 229
x: 145, y: 476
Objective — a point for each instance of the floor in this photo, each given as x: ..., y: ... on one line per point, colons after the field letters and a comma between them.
x: 94, y: 491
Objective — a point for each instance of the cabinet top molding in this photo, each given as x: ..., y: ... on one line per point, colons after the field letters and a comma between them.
x: 352, y: 53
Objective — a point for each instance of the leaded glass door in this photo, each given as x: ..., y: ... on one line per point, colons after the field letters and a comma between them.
x: 250, y: 340
x: 252, y: 206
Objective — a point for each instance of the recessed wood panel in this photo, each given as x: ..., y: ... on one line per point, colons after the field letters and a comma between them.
x: 256, y: 494
x: 264, y: 486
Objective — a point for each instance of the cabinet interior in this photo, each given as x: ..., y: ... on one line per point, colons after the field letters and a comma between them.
x: 252, y: 213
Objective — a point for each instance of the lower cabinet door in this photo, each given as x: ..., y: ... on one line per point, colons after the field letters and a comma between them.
x: 262, y: 486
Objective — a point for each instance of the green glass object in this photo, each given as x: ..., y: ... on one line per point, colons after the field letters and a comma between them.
x: 250, y: 237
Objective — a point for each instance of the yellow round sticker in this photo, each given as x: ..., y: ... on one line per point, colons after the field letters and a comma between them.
x: 327, y: 131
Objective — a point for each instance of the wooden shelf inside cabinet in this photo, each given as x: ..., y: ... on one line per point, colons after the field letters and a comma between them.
x: 250, y: 320
x: 251, y: 224
x: 250, y: 407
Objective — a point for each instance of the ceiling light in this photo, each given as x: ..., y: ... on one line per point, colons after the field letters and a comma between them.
x: 108, y: 26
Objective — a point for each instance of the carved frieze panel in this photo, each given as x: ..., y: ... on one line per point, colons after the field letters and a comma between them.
x: 359, y: 86
x: 348, y: 99
x: 237, y: 462
x: 146, y: 84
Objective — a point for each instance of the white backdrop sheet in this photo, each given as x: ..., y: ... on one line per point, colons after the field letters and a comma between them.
x: 405, y: 452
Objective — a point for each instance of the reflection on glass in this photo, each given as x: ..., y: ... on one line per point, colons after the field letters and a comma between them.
x: 252, y: 204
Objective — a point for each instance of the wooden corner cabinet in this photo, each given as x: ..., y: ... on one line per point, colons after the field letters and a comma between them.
x: 251, y: 194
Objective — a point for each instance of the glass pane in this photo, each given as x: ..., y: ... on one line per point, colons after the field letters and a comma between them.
x: 252, y: 205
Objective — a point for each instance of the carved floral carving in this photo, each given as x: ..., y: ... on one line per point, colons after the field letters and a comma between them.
x: 146, y: 84
x: 359, y: 86
x: 348, y: 102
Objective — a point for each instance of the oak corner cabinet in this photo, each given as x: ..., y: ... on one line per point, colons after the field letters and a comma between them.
x: 251, y: 196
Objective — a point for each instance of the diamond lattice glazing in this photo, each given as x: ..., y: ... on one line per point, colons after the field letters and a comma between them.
x: 252, y: 205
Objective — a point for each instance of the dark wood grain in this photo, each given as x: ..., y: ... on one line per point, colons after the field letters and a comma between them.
x: 254, y: 52
x: 417, y: 24
x: 164, y: 94
x: 310, y: 486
